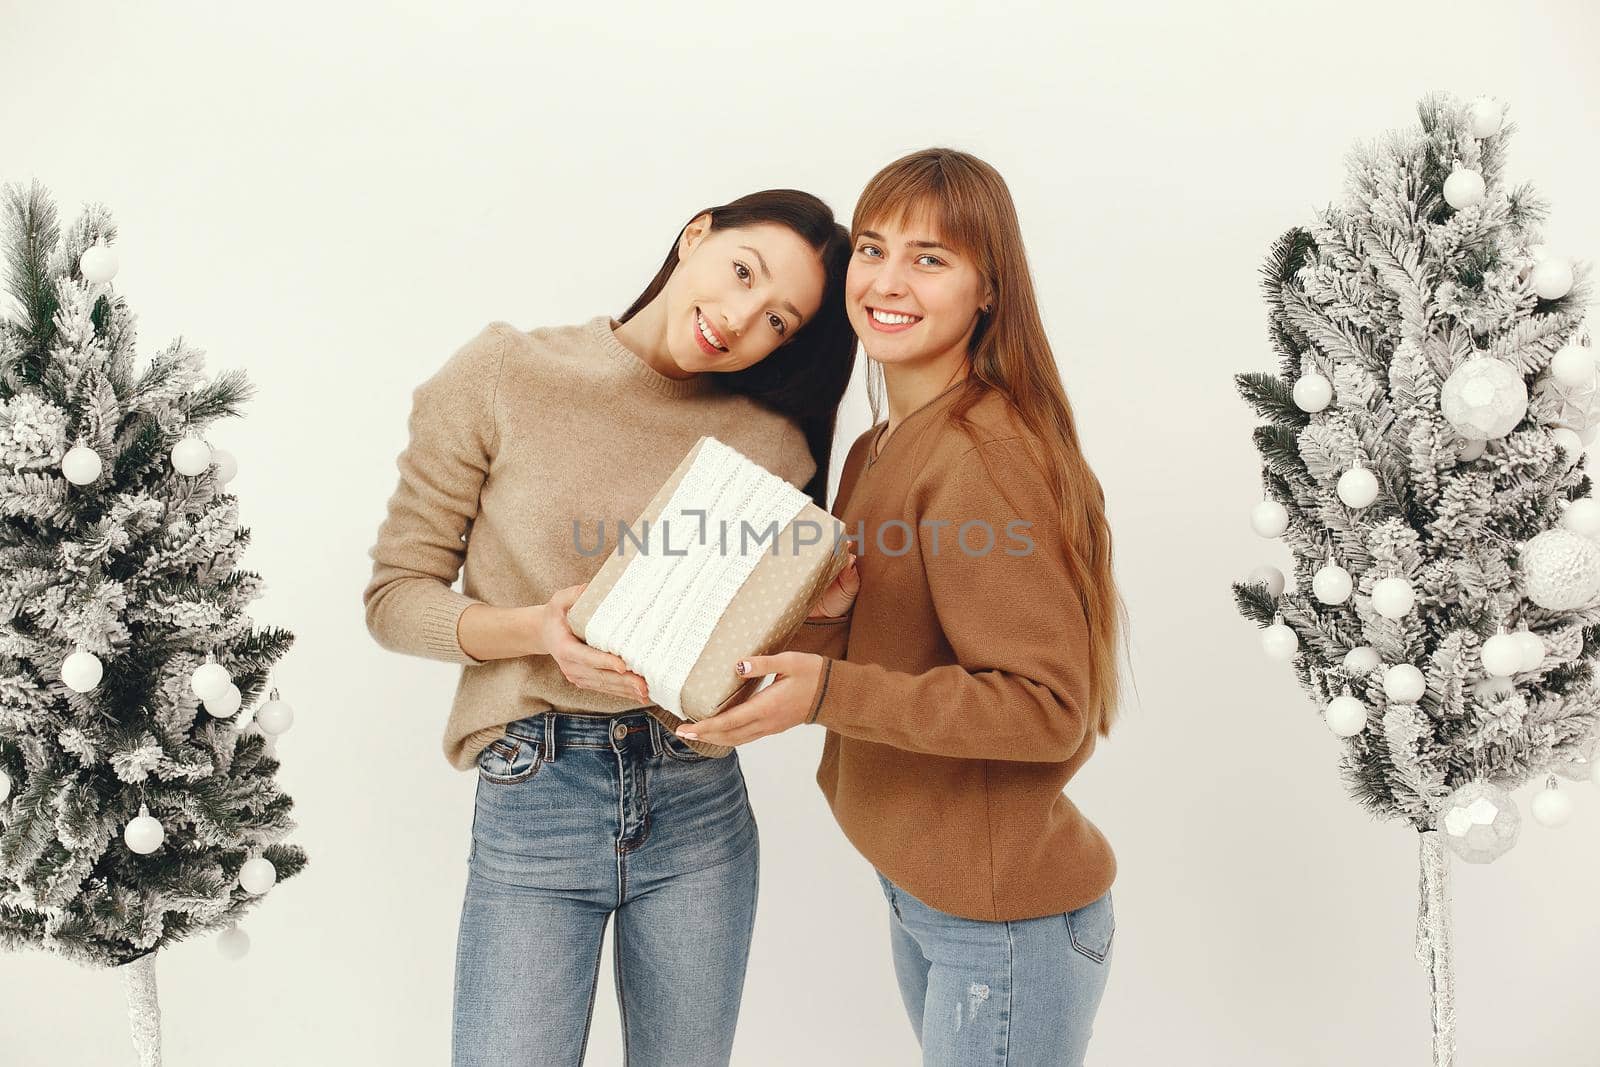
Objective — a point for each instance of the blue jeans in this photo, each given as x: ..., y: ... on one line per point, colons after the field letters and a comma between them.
x: 1013, y: 994
x: 578, y: 819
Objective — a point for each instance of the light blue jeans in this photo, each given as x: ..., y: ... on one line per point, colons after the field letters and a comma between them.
x: 578, y: 819
x: 1008, y: 994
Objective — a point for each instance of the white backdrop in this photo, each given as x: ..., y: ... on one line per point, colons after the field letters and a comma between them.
x: 335, y: 197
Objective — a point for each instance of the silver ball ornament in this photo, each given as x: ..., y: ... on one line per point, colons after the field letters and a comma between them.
x: 1346, y: 716
x: 257, y: 875
x: 1269, y: 518
x: 1560, y: 569
x: 224, y: 703
x: 82, y: 671
x: 1552, y: 278
x: 1484, y: 398
x: 5, y: 786
x: 1531, y: 645
x: 209, y: 679
x: 1582, y: 517
x: 1332, y: 584
x: 1279, y: 642
x: 1393, y: 597
x: 233, y: 943
x: 1464, y: 188
x: 1573, y: 365
x: 1404, y: 684
x: 1361, y: 661
x: 1479, y: 822
x: 191, y: 456
x: 143, y: 834
x: 1312, y: 392
x: 226, y: 466
x: 1551, y: 807
x: 1358, y: 487
x: 81, y: 465
x: 1468, y: 449
x: 1269, y: 576
x: 1485, y: 117
x: 1570, y: 444
x: 275, y: 716
x: 98, y: 263
x: 1502, y: 655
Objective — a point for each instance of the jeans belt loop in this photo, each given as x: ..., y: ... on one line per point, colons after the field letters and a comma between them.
x: 549, y: 736
x: 655, y: 734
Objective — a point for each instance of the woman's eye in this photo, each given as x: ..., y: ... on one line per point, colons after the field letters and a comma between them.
x: 936, y: 261
x: 777, y: 324
x: 869, y: 250
x: 741, y: 270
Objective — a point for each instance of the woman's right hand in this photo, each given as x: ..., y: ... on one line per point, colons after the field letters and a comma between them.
x: 583, y: 665
x: 840, y: 596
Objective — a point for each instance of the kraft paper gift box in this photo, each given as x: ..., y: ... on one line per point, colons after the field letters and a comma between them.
x: 704, y: 593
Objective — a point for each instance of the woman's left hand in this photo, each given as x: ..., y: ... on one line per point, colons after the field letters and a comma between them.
x: 783, y: 704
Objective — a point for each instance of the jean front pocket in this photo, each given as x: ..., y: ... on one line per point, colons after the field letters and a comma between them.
x: 507, y: 760
x: 679, y: 749
x: 1091, y: 928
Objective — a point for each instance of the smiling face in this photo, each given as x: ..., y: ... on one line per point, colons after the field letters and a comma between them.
x: 909, y: 296
x: 738, y: 293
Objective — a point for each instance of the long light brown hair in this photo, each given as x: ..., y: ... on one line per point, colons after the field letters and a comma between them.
x: 1009, y: 354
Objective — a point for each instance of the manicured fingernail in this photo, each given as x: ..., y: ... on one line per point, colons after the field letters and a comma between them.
x: 741, y: 666
x: 690, y: 736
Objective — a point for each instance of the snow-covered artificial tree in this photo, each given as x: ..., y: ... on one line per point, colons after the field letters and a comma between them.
x: 1423, y: 459
x: 138, y: 800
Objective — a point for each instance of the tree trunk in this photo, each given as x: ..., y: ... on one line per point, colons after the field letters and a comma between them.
x: 144, y: 1012
x: 1433, y: 944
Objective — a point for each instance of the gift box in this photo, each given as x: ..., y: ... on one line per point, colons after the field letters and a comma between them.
x: 724, y: 562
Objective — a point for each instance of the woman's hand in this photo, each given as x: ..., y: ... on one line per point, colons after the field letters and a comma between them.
x: 840, y: 596
x: 782, y: 705
x: 583, y: 665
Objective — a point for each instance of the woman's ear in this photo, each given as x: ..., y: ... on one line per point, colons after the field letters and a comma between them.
x: 693, y: 234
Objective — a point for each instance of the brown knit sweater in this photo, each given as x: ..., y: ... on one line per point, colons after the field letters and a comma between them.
x: 517, y: 436
x: 954, y: 691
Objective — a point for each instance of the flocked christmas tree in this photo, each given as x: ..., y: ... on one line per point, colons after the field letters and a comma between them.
x: 135, y: 809
x: 1423, y: 459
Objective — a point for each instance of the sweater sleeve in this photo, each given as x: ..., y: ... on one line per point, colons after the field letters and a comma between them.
x: 410, y: 601
x: 1012, y: 616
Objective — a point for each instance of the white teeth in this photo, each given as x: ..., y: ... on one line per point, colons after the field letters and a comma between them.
x: 705, y: 331
x: 890, y: 318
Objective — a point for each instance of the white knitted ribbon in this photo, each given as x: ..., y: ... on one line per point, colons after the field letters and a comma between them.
x: 660, y: 614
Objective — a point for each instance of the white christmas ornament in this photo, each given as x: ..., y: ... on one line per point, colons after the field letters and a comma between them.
x: 1551, y: 807
x: 1552, y: 278
x: 226, y: 466
x: 1503, y: 655
x: 1269, y: 518
x: 224, y: 703
x: 144, y: 833
x: 1358, y: 487
x: 1346, y: 716
x: 233, y: 943
x: 1269, y: 576
x: 1580, y: 766
x: 1483, y: 398
x: 1582, y: 517
x: 209, y: 679
x: 81, y: 465
x: 1573, y: 365
x: 275, y: 716
x: 1577, y: 407
x: 1532, y: 648
x: 1468, y: 449
x: 1464, y: 188
x: 1485, y: 116
x: 1479, y: 822
x: 5, y: 786
x: 1570, y: 444
x: 1361, y: 660
x: 1312, y: 392
x: 1393, y: 597
x: 191, y: 456
x: 1403, y: 684
x: 257, y: 875
x: 1332, y: 584
x: 1560, y: 569
x: 98, y: 263
x: 82, y: 671
x: 1586, y: 436
x: 1279, y: 642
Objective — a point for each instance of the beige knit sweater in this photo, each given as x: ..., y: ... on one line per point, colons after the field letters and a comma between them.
x: 517, y: 437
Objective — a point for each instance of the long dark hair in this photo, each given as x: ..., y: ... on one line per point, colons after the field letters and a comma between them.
x: 804, y: 378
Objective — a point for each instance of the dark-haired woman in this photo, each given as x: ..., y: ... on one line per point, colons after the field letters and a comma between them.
x: 524, y: 448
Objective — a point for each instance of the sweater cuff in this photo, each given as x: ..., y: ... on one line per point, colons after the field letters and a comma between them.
x: 822, y: 690
x: 439, y: 621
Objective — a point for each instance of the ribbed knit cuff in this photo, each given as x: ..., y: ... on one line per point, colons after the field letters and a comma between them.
x: 439, y: 621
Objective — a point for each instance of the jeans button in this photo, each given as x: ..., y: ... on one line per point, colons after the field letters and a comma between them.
x: 619, y: 731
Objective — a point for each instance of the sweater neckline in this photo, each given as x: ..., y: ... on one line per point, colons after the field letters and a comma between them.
x: 602, y: 329
x: 874, y: 454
